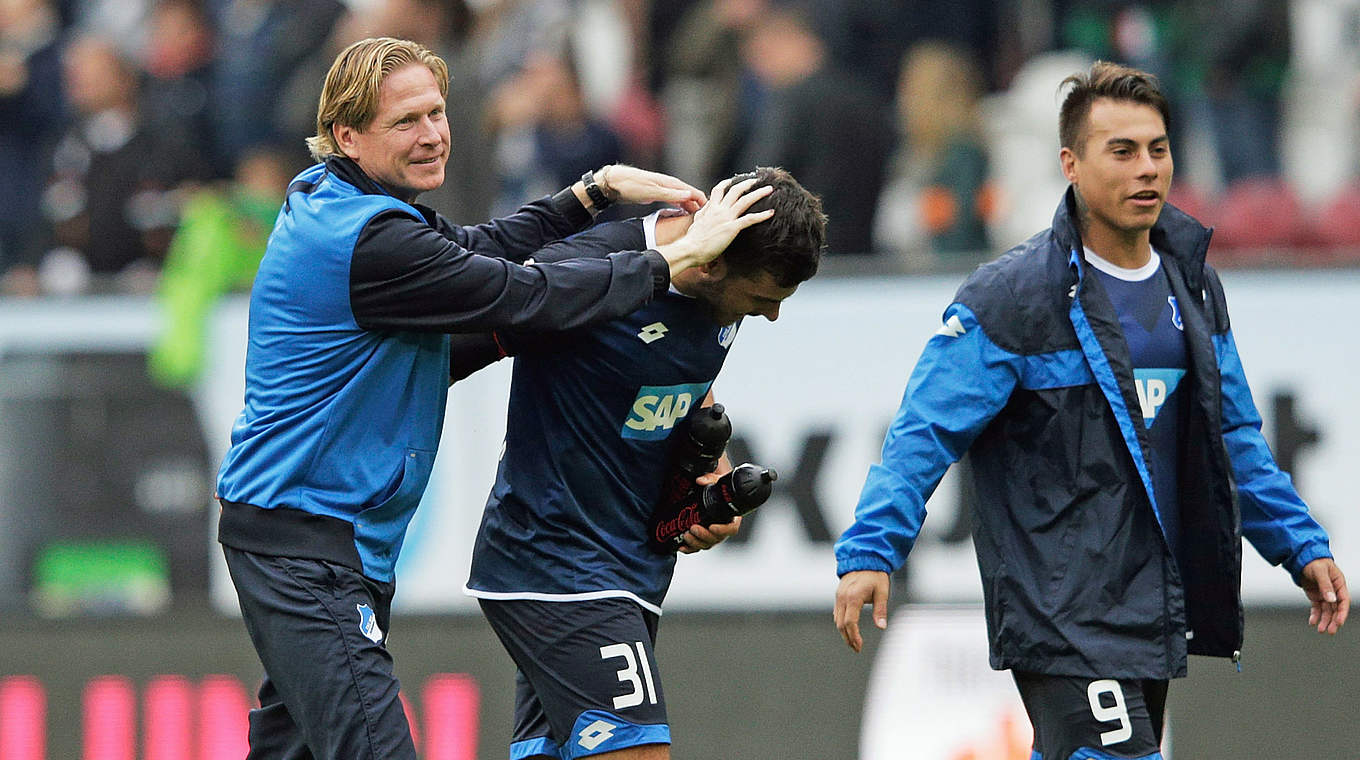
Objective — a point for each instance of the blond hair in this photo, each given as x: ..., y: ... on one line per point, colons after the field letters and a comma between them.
x: 350, y: 95
x: 938, y: 94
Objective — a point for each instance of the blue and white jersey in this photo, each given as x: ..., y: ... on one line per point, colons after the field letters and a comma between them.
x: 588, y: 443
x: 1151, y: 323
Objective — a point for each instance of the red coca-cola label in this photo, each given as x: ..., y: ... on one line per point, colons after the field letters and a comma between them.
x: 682, y: 521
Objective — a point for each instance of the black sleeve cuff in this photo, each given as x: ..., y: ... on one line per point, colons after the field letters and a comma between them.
x: 568, y: 205
x: 661, y: 271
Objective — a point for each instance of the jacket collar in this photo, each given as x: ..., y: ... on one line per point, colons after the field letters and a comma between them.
x: 345, y: 168
x: 1176, y: 233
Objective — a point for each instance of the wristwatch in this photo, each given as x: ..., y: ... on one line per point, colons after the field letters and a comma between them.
x: 593, y: 191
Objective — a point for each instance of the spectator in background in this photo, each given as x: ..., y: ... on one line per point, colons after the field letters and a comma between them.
x: 820, y: 124
x: 711, y: 98
x: 122, y: 22
x: 260, y: 43
x: 545, y: 137
x: 176, y: 84
x: 937, y: 203
x: 1236, y: 64
x: 108, y: 199
x: 870, y: 37
x: 215, y: 251
x: 30, y: 111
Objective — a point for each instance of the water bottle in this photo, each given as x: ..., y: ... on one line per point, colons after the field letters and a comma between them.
x: 736, y: 493
x: 701, y: 440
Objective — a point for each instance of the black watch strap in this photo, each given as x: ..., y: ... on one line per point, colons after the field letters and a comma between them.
x: 597, y: 197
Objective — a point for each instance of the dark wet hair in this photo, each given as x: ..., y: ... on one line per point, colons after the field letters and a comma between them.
x: 789, y: 244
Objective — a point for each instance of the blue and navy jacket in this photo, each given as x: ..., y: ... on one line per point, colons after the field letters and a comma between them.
x: 348, y: 362
x: 1031, y: 377
x: 587, y: 448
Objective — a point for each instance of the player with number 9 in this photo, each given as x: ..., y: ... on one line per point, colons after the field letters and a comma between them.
x: 1092, y: 378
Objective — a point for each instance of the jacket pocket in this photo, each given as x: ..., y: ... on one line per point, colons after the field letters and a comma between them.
x: 379, y: 530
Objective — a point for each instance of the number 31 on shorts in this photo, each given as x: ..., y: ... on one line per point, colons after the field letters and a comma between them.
x: 629, y: 674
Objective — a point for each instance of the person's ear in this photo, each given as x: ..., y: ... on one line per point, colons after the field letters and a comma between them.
x: 1068, y: 158
x: 344, y: 136
x: 715, y: 269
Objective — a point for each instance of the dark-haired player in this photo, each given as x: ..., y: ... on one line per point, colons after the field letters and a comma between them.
x: 561, y: 563
x: 1092, y: 378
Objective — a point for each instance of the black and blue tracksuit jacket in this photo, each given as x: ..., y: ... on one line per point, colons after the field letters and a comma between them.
x: 1030, y: 376
x: 348, y: 361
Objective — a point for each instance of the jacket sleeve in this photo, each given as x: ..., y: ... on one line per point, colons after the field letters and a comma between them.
x: 1274, y: 518
x: 405, y: 275
x: 518, y: 236
x: 960, y: 383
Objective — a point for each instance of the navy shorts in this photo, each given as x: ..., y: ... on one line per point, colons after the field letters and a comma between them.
x: 1093, y: 718
x: 587, y: 681
x: 320, y: 630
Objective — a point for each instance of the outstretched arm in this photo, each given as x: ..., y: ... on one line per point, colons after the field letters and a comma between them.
x: 960, y: 383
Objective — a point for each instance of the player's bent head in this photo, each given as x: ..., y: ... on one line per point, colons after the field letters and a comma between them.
x: 789, y: 244
x: 1105, y: 80
x: 349, y: 96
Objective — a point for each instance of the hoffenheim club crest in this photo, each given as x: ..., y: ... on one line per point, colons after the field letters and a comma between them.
x: 1175, y: 313
x: 727, y: 334
x: 368, y: 624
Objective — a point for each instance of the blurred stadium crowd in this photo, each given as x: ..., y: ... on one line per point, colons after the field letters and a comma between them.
x: 145, y: 144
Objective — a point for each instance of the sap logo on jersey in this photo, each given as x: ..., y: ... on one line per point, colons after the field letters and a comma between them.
x: 1154, y: 386
x: 657, y: 408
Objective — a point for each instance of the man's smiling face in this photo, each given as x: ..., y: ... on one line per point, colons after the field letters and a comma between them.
x: 406, y: 145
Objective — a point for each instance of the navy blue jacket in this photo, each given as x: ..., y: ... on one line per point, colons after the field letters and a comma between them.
x: 1031, y: 377
x: 348, y: 362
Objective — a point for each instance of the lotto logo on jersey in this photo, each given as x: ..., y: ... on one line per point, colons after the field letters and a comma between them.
x: 658, y: 407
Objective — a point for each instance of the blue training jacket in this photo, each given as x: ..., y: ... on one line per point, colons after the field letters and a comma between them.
x: 1031, y: 377
x: 348, y: 362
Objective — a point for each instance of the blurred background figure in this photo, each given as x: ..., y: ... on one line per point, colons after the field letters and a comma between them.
x: 108, y: 200
x: 819, y: 123
x: 215, y: 251
x: 30, y: 113
x: 704, y: 88
x: 1235, y: 65
x: 938, y: 200
x: 122, y: 22
x: 545, y: 137
x: 176, y: 87
x: 870, y: 37
x: 260, y: 45
x: 711, y: 98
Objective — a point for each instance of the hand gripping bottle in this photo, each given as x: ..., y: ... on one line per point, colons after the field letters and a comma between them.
x: 736, y: 493
x: 683, y: 503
